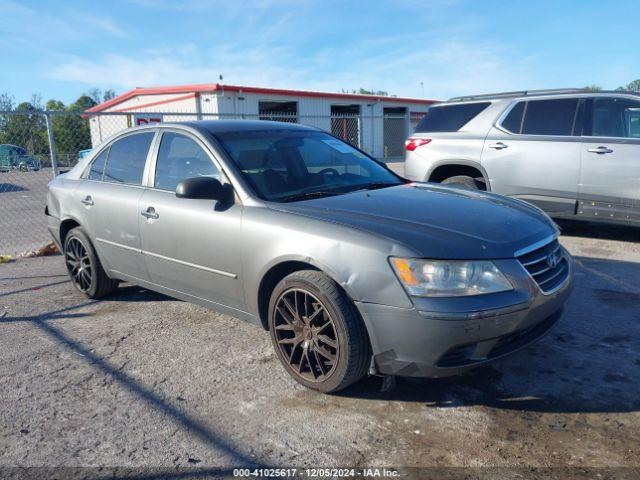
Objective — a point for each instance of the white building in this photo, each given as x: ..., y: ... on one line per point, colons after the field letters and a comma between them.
x: 377, y: 124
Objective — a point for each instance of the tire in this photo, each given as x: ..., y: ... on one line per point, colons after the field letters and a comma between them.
x: 84, y: 267
x: 463, y: 181
x: 319, y: 301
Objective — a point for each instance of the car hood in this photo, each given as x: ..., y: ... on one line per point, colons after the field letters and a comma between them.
x: 435, y: 221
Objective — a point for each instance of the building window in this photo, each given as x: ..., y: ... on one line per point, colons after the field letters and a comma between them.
x: 279, y: 111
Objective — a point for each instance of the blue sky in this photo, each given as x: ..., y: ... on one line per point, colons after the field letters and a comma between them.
x: 62, y: 48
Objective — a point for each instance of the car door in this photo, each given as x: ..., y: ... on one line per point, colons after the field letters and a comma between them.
x: 610, y: 176
x: 106, y: 203
x: 533, y: 154
x: 190, y: 245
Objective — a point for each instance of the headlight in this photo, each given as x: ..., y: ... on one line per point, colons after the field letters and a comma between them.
x: 449, y: 278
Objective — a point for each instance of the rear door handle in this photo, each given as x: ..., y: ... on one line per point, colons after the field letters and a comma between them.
x: 87, y: 200
x: 600, y: 150
x: 498, y: 146
x: 150, y: 212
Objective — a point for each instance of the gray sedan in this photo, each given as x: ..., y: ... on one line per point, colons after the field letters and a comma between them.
x: 351, y: 269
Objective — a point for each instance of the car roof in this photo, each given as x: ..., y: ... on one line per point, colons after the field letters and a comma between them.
x: 538, y: 93
x: 226, y: 126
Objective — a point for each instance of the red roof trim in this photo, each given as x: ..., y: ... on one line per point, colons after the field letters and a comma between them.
x: 159, y: 102
x: 216, y: 87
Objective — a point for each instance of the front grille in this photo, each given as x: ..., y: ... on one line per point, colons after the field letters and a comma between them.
x: 547, y: 275
x: 515, y: 340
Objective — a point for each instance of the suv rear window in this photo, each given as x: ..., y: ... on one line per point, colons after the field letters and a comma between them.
x: 449, y: 118
x: 513, y: 121
x: 550, y: 117
x: 542, y: 117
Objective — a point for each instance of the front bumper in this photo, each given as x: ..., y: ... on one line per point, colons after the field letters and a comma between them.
x: 418, y: 343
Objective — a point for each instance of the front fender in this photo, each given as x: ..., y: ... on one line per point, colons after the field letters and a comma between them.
x: 356, y: 260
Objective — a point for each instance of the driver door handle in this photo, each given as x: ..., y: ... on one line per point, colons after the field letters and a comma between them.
x: 600, y: 150
x: 88, y: 201
x: 150, y: 212
x: 498, y: 146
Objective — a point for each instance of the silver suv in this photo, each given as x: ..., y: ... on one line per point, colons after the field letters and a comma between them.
x: 573, y: 153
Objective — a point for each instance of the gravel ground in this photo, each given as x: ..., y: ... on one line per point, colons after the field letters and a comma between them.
x: 139, y: 380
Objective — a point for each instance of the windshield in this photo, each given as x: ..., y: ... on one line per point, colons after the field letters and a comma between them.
x: 289, y: 165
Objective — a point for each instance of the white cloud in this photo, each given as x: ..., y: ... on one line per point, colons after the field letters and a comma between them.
x: 101, y: 23
x: 447, y: 68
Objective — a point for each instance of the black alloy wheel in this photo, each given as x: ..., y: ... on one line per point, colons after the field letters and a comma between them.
x: 306, y: 335
x: 78, y: 264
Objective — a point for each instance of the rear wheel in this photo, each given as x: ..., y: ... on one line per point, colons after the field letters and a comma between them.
x: 84, y: 267
x: 317, y: 333
x: 463, y: 181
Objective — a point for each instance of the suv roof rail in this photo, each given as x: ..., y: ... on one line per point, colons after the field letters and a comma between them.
x: 521, y: 93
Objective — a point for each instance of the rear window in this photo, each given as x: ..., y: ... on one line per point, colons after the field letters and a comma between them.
x: 550, y: 117
x: 127, y: 157
x: 513, y: 121
x: 449, y: 118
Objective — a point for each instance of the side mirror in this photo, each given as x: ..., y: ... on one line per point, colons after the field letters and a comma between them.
x: 204, y: 188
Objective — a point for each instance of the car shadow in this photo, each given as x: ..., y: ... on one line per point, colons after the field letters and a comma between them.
x: 124, y: 292
x: 589, y: 362
x: 574, y: 228
x: 11, y: 187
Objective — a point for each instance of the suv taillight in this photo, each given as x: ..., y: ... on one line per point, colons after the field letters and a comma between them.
x: 412, y: 143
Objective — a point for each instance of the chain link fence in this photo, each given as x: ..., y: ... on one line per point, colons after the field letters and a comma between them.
x: 35, y: 146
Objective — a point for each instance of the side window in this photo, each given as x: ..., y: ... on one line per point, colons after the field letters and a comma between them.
x: 614, y: 117
x: 127, y: 157
x: 96, y: 170
x: 550, y: 117
x: 181, y: 157
x: 513, y: 121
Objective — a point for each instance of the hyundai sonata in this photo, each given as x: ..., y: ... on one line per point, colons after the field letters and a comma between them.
x: 351, y: 268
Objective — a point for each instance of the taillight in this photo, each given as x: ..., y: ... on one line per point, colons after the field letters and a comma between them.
x: 412, y: 143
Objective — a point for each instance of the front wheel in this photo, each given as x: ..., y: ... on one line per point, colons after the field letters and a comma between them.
x: 84, y: 267
x: 317, y: 332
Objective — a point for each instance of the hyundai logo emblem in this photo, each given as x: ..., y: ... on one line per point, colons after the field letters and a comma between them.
x: 553, y: 259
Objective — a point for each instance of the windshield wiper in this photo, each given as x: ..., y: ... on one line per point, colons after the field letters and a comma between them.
x: 307, y: 195
x: 374, y: 186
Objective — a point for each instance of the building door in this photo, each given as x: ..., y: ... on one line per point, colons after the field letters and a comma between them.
x: 395, y: 131
x: 345, y: 123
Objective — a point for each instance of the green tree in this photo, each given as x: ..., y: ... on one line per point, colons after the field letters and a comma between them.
x: 6, y: 105
x: 593, y: 88
x: 108, y: 95
x: 26, y: 129
x: 631, y: 87
x: 71, y: 130
x: 54, y: 106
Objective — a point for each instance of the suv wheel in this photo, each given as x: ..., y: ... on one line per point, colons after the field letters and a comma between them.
x: 317, y: 332
x: 84, y: 267
x: 463, y: 181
